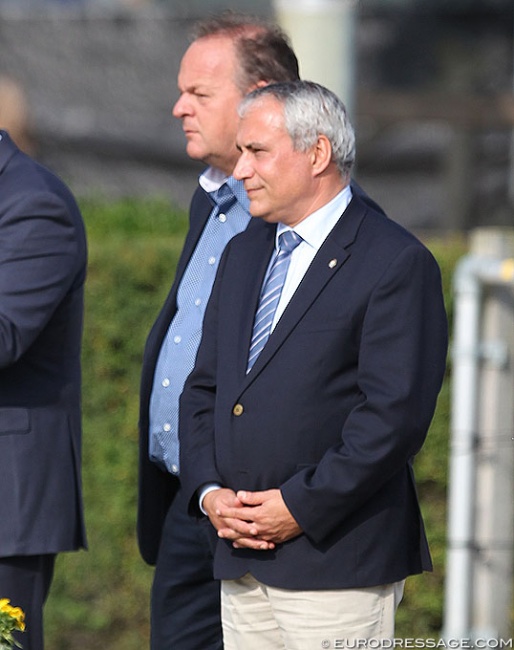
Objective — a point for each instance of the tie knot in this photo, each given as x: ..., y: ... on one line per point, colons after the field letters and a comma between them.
x: 224, y: 198
x: 288, y: 241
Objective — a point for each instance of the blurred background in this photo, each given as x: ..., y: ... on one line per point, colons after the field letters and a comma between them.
x: 87, y: 87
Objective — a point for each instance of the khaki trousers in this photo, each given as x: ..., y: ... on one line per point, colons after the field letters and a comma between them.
x: 258, y: 617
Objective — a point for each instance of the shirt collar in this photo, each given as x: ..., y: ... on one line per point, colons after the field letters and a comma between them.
x: 316, y: 227
x: 212, y: 179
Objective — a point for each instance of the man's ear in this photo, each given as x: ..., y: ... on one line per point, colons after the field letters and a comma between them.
x: 321, y: 155
x: 259, y: 84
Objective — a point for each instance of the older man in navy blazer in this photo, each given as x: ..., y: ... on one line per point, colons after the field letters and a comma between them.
x: 42, y: 272
x: 302, y: 456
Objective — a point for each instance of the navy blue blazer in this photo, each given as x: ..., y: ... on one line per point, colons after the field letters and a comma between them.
x: 334, y: 409
x: 157, y: 488
x: 42, y: 272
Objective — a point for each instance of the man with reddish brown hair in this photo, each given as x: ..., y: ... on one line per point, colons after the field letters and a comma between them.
x: 229, y: 56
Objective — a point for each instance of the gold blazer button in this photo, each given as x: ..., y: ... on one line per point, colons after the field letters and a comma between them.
x: 238, y: 410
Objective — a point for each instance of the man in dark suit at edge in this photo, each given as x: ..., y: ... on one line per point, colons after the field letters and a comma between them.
x: 42, y: 272
x: 299, y: 446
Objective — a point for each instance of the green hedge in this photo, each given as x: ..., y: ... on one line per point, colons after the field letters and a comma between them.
x: 100, y: 599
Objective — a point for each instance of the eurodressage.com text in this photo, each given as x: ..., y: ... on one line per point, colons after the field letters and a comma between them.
x: 442, y: 644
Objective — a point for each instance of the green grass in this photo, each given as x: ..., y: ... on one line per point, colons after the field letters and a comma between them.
x: 100, y: 598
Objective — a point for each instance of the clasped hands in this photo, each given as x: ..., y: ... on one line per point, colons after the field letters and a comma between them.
x: 256, y: 520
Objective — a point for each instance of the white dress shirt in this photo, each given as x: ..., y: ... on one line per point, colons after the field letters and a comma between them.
x: 314, y: 229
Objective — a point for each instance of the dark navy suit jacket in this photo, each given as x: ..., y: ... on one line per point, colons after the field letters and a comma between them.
x: 157, y: 488
x: 334, y: 409
x: 42, y: 272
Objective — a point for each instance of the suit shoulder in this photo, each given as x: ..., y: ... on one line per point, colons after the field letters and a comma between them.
x: 380, y: 238
x: 28, y: 188
x: 24, y: 174
x: 380, y: 225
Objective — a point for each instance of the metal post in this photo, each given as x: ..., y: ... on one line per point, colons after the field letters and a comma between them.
x: 322, y: 33
x: 495, y: 462
x: 480, y: 517
x: 461, y: 511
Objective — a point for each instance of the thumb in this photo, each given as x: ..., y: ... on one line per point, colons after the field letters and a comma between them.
x: 248, y: 498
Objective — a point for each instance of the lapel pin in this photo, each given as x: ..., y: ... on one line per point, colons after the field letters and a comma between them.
x: 332, y: 263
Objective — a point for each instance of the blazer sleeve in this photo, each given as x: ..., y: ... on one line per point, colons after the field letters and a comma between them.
x: 38, y: 261
x: 401, y: 365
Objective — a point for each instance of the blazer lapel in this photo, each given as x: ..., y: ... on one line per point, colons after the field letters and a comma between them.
x: 7, y: 149
x: 252, y: 263
x: 200, y: 209
x: 329, y: 261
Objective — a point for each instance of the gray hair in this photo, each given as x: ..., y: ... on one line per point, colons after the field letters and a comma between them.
x: 311, y: 110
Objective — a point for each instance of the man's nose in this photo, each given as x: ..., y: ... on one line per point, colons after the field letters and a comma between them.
x: 180, y: 108
x: 241, y: 170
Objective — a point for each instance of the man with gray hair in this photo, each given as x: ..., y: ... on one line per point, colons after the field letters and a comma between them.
x: 230, y: 55
x: 323, y: 352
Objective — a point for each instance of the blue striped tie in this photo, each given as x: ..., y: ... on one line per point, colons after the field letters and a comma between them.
x: 270, y: 295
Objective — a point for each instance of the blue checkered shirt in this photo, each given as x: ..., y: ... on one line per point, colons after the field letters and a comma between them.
x: 179, y: 347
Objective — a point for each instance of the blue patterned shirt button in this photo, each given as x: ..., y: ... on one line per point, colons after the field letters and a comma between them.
x: 223, y: 217
x: 177, y: 339
x: 198, y: 302
x: 165, y: 382
x: 174, y: 469
x: 167, y: 427
x: 212, y: 260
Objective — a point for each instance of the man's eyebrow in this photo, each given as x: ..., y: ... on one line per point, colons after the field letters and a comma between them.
x: 250, y: 145
x: 192, y: 87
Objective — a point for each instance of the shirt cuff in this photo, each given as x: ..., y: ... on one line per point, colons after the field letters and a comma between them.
x: 209, y: 487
